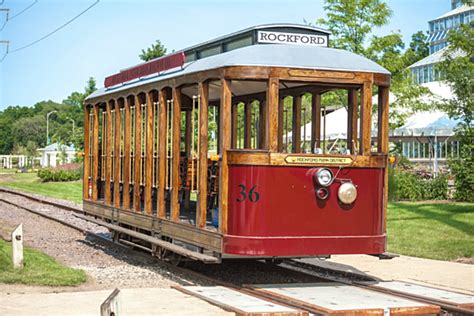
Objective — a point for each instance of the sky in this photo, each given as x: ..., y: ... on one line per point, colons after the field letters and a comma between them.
x: 110, y: 36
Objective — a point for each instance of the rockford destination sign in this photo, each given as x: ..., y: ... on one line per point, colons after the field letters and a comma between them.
x: 292, y: 38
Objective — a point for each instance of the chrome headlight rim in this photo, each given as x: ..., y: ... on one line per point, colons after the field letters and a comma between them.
x: 318, y: 174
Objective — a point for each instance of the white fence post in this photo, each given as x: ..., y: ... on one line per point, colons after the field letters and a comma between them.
x: 17, y: 247
x: 111, y: 306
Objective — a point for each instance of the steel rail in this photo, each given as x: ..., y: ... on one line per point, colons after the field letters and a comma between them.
x: 41, y: 200
x: 58, y: 220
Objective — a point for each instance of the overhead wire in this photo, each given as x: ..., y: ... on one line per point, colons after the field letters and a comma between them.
x: 8, y: 18
x: 7, y: 11
x: 6, y: 51
x: 21, y: 12
x: 54, y: 31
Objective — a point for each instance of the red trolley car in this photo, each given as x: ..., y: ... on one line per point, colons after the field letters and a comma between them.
x: 220, y: 150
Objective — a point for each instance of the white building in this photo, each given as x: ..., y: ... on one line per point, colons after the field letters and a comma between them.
x: 425, y: 70
x: 51, y: 155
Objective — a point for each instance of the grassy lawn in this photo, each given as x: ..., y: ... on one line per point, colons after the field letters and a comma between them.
x: 443, y: 231
x: 39, y: 269
x: 29, y: 182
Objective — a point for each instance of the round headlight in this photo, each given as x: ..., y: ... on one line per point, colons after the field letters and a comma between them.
x: 324, y: 177
x: 347, y: 193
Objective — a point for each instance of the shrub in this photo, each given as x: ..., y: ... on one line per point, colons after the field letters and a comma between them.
x: 437, y: 188
x: 69, y: 172
x: 404, y: 185
x: 463, y: 173
x: 409, y: 186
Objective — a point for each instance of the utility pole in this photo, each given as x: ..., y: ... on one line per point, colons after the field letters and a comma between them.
x: 73, y: 125
x: 47, y: 126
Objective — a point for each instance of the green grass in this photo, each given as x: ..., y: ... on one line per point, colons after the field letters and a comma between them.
x: 7, y: 171
x: 39, y: 269
x: 29, y: 182
x: 443, y: 231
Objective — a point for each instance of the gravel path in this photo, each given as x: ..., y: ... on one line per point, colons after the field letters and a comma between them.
x: 107, y: 265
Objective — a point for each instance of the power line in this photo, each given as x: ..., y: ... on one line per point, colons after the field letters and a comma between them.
x: 19, y: 13
x: 7, y: 19
x: 6, y: 51
x: 56, y: 30
x: 7, y: 11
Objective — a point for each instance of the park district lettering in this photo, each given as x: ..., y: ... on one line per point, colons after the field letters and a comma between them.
x: 318, y: 160
x: 292, y: 38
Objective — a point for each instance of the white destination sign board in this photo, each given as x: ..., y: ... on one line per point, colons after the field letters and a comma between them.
x: 292, y: 38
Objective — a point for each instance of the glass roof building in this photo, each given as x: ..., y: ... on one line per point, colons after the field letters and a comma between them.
x: 424, y: 70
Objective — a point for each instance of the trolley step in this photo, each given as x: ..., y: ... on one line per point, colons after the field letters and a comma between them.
x: 158, y: 242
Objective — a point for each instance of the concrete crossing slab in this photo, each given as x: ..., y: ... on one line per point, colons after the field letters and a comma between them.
x: 341, y: 299
x: 458, y: 299
x: 143, y: 301
x: 240, y: 303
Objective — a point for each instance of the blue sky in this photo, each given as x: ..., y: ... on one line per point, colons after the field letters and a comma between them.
x: 111, y: 35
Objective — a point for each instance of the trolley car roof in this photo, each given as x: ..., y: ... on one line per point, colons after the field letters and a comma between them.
x: 270, y: 55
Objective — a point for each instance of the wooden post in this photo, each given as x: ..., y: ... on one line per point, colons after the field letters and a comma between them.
x: 382, y: 141
x: 176, y: 154
x: 95, y: 152
x: 108, y: 158
x: 262, y: 120
x: 281, y: 123
x: 117, y: 153
x: 248, y: 125
x: 273, y: 134
x: 149, y: 153
x: 352, y: 105
x: 162, y: 154
x: 297, y: 124
x: 225, y: 143
x: 234, y: 127
x: 126, y: 161
x: 87, y: 161
x: 17, y: 247
x: 138, y: 155
x: 383, y: 100
x: 188, y: 131
x: 366, y: 116
x: 203, y: 142
x: 112, y: 305
x: 315, y: 121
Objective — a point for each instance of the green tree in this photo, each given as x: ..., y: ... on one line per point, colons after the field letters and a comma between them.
x: 418, y: 49
x: 154, y: 51
x: 351, y: 21
x: 76, y: 99
x: 387, y: 52
x: 458, y: 71
x: 91, y: 86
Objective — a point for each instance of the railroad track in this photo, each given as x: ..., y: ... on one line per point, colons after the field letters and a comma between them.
x: 340, y: 277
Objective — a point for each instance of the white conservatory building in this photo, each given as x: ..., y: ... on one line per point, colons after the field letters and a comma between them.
x: 57, y: 154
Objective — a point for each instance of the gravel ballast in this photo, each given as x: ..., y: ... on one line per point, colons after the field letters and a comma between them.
x: 110, y: 265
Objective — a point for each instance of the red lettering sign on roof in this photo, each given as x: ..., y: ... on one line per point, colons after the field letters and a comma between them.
x: 148, y: 68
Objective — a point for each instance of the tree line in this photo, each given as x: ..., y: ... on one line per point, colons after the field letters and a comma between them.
x: 23, y: 128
